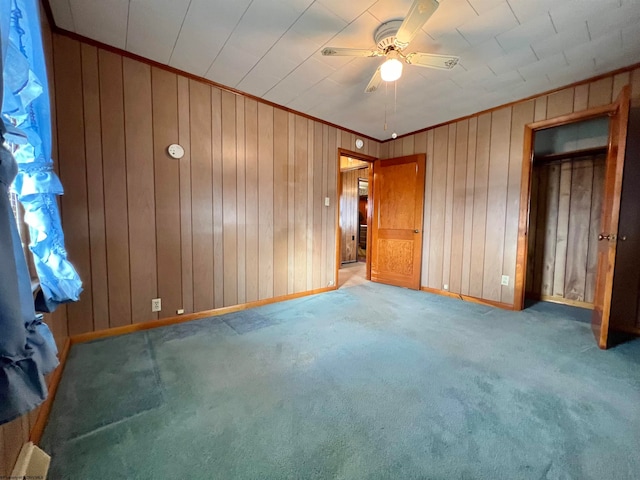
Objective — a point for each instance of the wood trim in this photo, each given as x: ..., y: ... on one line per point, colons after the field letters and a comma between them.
x: 563, y: 301
x: 468, y: 298
x: 43, y: 414
x: 612, y: 73
x: 162, y: 66
x: 137, y: 327
x: 554, y: 157
x: 625, y: 329
x: 525, y: 188
x: 46, y: 6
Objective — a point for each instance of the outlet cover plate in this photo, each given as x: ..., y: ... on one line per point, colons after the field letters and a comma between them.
x: 505, y: 280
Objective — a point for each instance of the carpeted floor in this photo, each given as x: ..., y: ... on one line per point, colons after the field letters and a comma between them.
x: 368, y: 381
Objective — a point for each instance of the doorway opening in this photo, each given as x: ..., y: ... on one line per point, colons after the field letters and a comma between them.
x: 577, y: 171
x: 567, y: 186
x: 354, y: 215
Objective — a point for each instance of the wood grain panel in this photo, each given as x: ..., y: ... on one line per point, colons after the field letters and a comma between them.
x: 349, y: 216
x: 560, y: 103
x: 218, y: 220
x: 438, y: 206
x: 469, y: 205
x: 186, y: 245
x: 448, y: 211
x: 562, y: 230
x: 280, y: 202
x: 428, y: 203
x: 600, y: 92
x: 95, y: 186
x: 201, y: 195
x: 480, y: 205
x: 332, y: 193
x: 496, y: 203
x: 265, y: 201
x: 229, y: 199
x: 241, y: 200
x: 318, y: 201
x: 251, y: 193
x: 73, y: 172
x: 167, y: 191
x: 458, y: 207
x: 300, y: 202
x: 291, y: 218
x: 115, y: 187
x: 139, y: 145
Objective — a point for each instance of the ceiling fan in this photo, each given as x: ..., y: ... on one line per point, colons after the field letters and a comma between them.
x: 391, y: 39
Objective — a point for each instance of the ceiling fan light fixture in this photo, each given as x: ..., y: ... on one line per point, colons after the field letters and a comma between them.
x: 391, y: 70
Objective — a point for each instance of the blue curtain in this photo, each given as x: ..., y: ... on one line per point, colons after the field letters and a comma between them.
x: 27, y: 349
x: 27, y: 114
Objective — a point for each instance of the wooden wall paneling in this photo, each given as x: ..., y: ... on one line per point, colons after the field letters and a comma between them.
x: 280, y: 202
x: 522, y: 114
x: 229, y: 199
x: 635, y: 88
x: 619, y: 82
x: 167, y: 191
x: 5, y: 467
x: 600, y: 92
x: 562, y: 231
x: 541, y: 225
x: 300, y: 202
x: 408, y: 146
x: 448, y: 211
x: 540, y: 108
x: 438, y: 206
x: 251, y: 192
x: 384, y: 150
x: 551, y: 199
x: 459, y: 202
x: 186, y: 237
x: 327, y: 157
x: 578, y: 239
x: 469, y: 205
x: 480, y: 205
x: 532, y: 232
x: 218, y: 220
x: 115, y: 188
x: 581, y: 97
x: 496, y: 203
x: 318, y: 197
x: 332, y: 193
x: 70, y: 111
x: 13, y: 438
x: 201, y: 195
x: 95, y: 186
x: 139, y: 150
x: 291, y: 201
x: 428, y: 199
x: 265, y: 201
x: 597, y: 196
x: 241, y: 182
x: 560, y: 103
x: 309, y: 181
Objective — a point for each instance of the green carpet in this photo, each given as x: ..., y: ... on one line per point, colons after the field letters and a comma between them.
x: 369, y: 381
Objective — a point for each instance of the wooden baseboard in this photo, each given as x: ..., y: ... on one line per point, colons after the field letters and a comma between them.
x: 136, y: 327
x: 625, y: 329
x: 561, y: 300
x: 43, y: 414
x: 467, y: 298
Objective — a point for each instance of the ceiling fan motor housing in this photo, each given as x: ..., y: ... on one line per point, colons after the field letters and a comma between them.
x: 385, y: 35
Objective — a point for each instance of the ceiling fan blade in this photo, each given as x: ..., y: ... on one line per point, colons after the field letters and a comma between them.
x: 432, y: 60
x: 420, y: 12
x: 374, y: 83
x: 349, y: 52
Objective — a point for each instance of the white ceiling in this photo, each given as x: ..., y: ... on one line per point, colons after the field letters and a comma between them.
x: 509, y: 49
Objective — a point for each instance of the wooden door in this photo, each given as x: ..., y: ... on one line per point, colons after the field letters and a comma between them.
x: 349, y: 216
x: 398, y: 198
x: 609, y: 220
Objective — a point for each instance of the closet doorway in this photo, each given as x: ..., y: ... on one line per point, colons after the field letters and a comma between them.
x: 569, y: 210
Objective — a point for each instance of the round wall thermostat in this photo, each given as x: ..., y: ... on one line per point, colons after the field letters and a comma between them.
x: 359, y: 143
x: 175, y: 150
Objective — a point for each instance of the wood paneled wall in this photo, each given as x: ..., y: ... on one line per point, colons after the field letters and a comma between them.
x: 240, y: 218
x: 14, y: 434
x: 473, y: 186
x: 349, y: 223
x: 564, y: 223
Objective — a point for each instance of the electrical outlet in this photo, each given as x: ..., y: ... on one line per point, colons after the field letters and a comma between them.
x: 330, y: 284
x: 327, y: 201
x: 156, y: 305
x: 180, y: 311
x: 446, y: 286
x: 505, y: 280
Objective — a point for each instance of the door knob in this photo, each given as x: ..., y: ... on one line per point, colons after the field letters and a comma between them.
x: 603, y: 237
x: 416, y: 231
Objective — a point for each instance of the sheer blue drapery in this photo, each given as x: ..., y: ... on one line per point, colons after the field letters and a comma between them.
x: 26, y: 112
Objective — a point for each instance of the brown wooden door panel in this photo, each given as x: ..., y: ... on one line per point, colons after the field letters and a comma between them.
x: 396, y: 250
x: 609, y: 220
